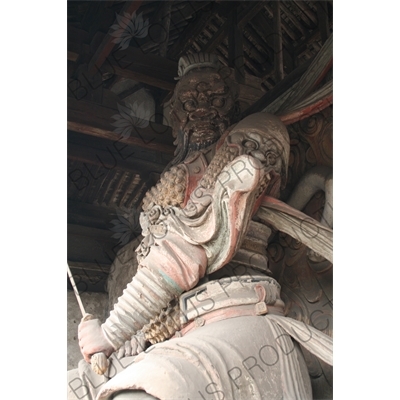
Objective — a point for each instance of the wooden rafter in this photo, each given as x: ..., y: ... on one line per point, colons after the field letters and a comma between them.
x: 323, y: 20
x: 166, y: 22
x: 246, y: 16
x: 295, y: 21
x: 264, y: 26
x: 278, y: 49
x: 133, y: 63
x: 278, y: 90
x: 107, y: 44
x: 235, y: 47
x: 313, y: 104
x: 285, y: 26
x: 307, y: 11
x: 189, y: 35
x: 261, y: 44
x: 317, y: 70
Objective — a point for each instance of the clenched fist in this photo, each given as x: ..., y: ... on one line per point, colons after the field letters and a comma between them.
x: 92, y: 339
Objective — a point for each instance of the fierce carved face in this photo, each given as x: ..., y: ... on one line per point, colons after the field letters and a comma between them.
x: 202, y: 107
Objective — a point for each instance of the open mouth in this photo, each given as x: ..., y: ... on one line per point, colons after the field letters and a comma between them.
x: 200, y: 132
x: 203, y: 133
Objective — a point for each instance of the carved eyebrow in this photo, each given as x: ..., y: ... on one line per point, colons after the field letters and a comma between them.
x: 189, y: 94
x: 220, y: 90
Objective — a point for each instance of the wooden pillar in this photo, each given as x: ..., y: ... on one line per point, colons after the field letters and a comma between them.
x: 323, y: 20
x: 166, y: 21
x: 235, y: 47
x: 278, y: 48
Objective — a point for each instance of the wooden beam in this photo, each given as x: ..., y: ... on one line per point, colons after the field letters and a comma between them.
x: 166, y: 22
x: 215, y: 41
x: 133, y: 63
x: 256, y: 65
x: 261, y: 42
x: 148, y: 69
x: 108, y: 134
x: 235, y: 47
x: 252, y: 9
x: 251, y: 67
x: 278, y: 49
x: 190, y: 11
x: 128, y: 92
x: 136, y: 73
x: 248, y: 14
x: 107, y: 44
x: 307, y: 11
x: 110, y: 158
x: 124, y: 151
x: 313, y: 104
x: 320, y: 65
x: 189, y: 34
x: 323, y: 20
x: 285, y: 25
x: 93, y: 119
x: 178, y: 22
x: 264, y: 26
x: 302, y: 46
x: 278, y: 90
x: 293, y: 18
x: 151, y: 69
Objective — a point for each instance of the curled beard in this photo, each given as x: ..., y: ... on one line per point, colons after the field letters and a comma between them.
x: 184, y: 147
x: 218, y: 128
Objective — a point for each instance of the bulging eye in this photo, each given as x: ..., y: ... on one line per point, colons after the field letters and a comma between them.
x: 218, y: 102
x: 250, y: 144
x: 271, y: 157
x: 189, y: 105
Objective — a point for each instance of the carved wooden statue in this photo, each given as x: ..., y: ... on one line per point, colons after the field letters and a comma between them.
x: 204, y: 296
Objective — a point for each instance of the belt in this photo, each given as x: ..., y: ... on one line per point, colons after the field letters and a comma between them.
x: 213, y: 301
x: 227, y: 298
x: 230, y: 312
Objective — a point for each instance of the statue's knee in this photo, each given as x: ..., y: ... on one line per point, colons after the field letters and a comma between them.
x: 133, y: 395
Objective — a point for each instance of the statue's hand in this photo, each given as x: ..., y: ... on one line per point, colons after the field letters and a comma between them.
x: 133, y: 347
x: 92, y: 339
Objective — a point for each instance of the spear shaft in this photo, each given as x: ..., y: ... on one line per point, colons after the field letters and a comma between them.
x: 98, y: 361
x: 78, y: 297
